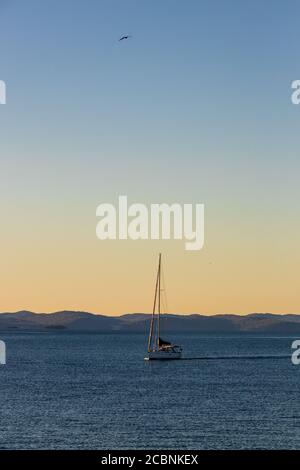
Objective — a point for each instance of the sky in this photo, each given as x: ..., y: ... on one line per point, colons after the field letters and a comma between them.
x: 194, y: 108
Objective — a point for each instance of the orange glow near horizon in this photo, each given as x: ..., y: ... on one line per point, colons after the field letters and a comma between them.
x: 115, y: 277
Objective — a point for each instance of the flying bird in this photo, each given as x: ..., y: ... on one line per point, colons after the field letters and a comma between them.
x: 124, y: 37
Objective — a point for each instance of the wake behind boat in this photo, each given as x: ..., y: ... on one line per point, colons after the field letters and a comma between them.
x: 159, y: 349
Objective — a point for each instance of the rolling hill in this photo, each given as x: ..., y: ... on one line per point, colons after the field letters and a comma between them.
x: 139, y: 322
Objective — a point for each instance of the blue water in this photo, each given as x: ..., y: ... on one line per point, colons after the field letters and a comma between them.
x: 94, y: 391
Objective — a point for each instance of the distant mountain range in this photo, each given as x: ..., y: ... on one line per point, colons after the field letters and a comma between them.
x: 139, y: 322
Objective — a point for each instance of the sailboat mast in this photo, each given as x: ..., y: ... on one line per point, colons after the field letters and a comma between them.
x: 159, y: 292
x: 154, y: 307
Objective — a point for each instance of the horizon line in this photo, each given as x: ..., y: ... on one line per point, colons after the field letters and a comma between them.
x: 146, y: 313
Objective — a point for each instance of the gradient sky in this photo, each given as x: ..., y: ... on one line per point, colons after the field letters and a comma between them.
x: 194, y: 108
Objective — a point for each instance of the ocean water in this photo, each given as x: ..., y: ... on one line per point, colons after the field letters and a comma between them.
x: 94, y: 391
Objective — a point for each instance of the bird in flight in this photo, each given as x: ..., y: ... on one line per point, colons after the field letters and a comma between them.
x: 124, y: 37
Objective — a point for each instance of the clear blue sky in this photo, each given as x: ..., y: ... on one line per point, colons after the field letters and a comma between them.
x: 195, y: 107
x: 198, y: 78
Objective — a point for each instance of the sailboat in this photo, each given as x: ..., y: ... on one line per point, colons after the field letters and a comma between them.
x: 159, y: 349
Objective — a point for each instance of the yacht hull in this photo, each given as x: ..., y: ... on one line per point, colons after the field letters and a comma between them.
x: 163, y: 355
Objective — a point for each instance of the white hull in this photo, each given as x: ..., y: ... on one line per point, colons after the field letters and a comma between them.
x: 163, y: 355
